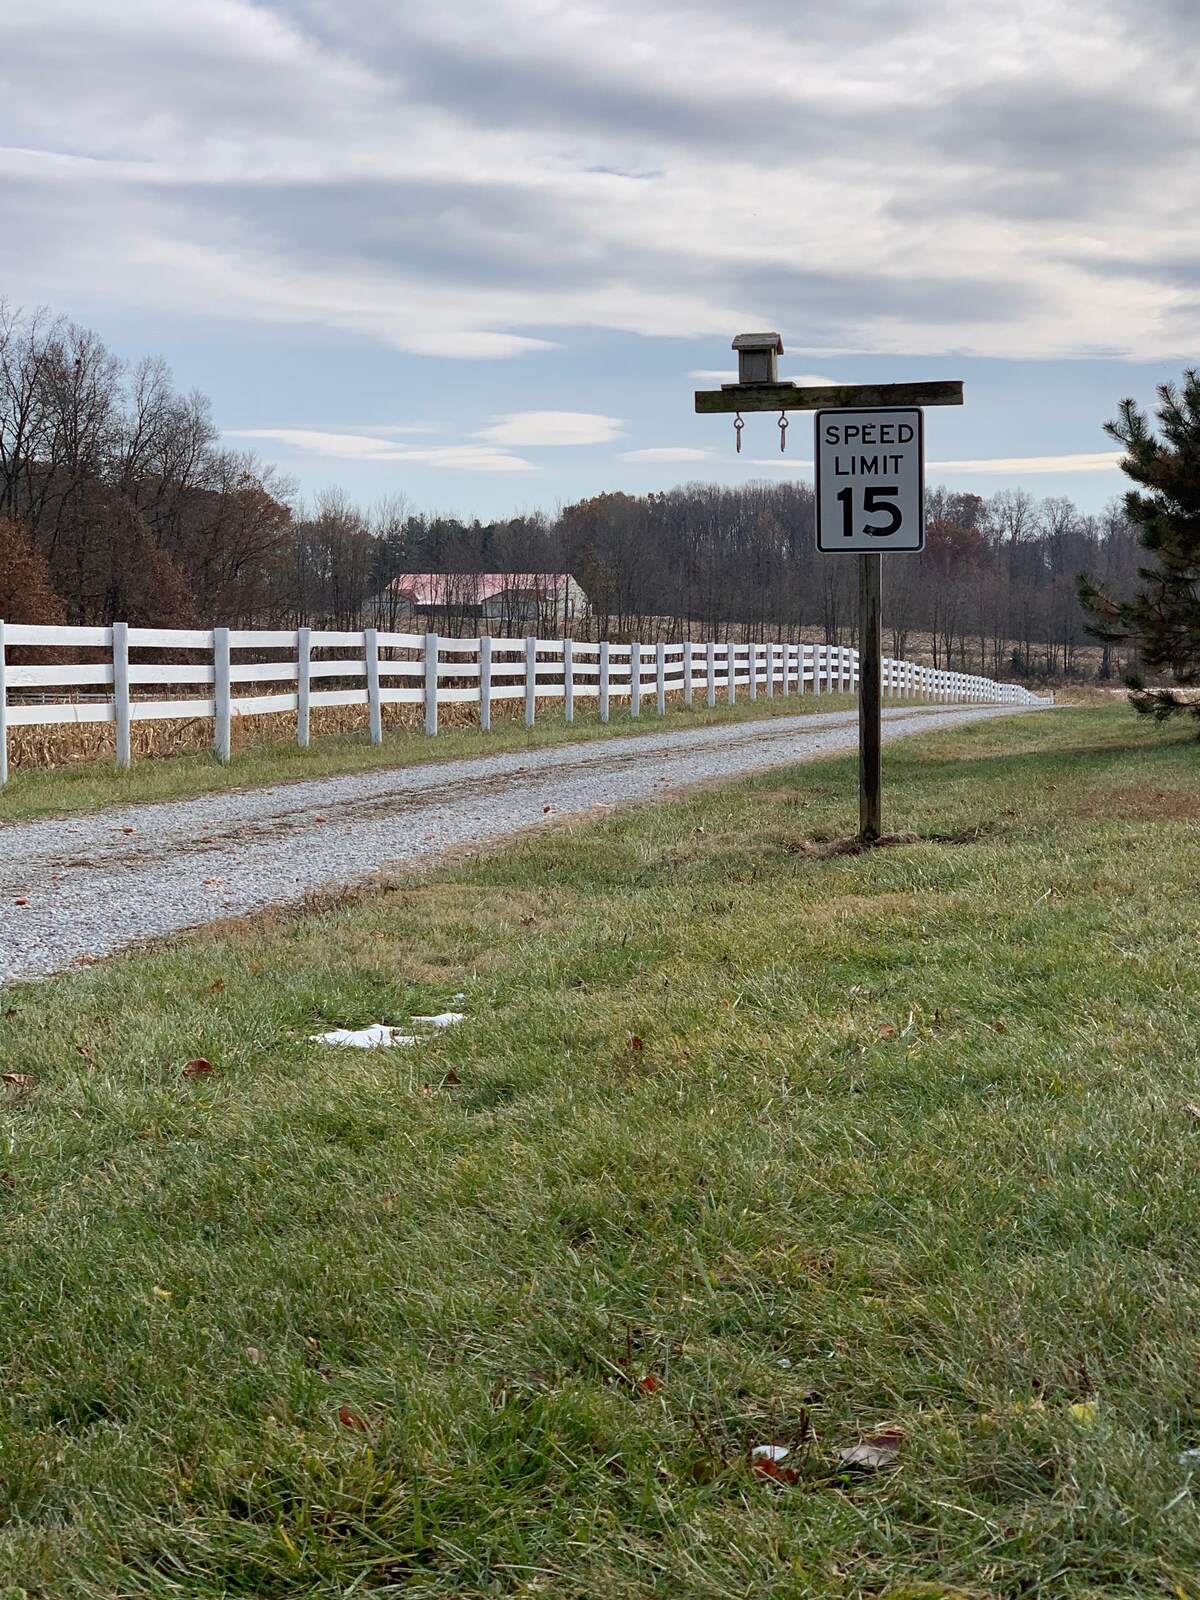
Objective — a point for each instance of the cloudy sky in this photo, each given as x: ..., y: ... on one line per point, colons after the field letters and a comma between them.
x: 482, y: 254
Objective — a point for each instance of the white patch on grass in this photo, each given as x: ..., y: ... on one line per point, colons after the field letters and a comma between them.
x: 377, y: 1037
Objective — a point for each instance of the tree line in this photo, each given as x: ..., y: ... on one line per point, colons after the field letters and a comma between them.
x: 118, y: 500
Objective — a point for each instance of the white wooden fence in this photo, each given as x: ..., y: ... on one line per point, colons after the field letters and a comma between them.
x: 256, y: 672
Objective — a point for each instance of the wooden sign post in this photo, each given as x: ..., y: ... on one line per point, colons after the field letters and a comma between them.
x: 870, y: 494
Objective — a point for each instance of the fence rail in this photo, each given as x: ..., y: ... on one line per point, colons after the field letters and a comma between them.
x: 259, y: 672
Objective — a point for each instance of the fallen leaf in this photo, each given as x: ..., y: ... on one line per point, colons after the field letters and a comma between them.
x: 1084, y: 1411
x: 451, y: 1080
x: 197, y: 1068
x: 128, y: 830
x: 547, y: 808
x: 10, y: 1013
x: 254, y: 967
x: 766, y: 1461
x: 7, y: 1179
x: 254, y: 1355
x: 649, y: 1384
x: 527, y: 922
x: 217, y: 985
x: 636, y: 1044
x: 20, y: 901
x: 1189, y: 1106
x: 999, y: 1027
x: 872, y: 1454
x: 887, y: 1031
x: 22, y: 1082
x: 351, y: 1419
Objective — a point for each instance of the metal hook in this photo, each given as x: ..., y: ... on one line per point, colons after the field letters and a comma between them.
x: 783, y: 428
x: 738, y: 425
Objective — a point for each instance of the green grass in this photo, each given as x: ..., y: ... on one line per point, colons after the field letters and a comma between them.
x: 907, y: 1142
x: 93, y: 785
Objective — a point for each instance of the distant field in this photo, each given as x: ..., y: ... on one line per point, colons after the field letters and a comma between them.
x: 743, y: 1141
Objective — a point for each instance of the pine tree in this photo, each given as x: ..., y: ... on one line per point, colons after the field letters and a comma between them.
x: 1163, y: 616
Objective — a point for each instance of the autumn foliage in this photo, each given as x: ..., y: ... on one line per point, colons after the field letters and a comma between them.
x: 26, y: 592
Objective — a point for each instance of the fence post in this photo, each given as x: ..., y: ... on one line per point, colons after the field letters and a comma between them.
x: 688, y: 664
x: 303, y: 685
x: 221, y: 695
x: 771, y: 672
x: 752, y: 668
x: 604, y: 680
x: 710, y: 662
x: 731, y: 671
x: 3, y: 713
x: 660, y: 676
x: 635, y: 680
x: 530, y: 679
x: 374, y: 700
x: 568, y: 680
x: 431, y: 685
x: 485, y: 681
x: 121, y: 708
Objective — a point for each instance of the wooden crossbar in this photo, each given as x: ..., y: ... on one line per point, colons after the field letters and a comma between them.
x: 827, y: 397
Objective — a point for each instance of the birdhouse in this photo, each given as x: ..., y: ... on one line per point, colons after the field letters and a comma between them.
x: 756, y: 357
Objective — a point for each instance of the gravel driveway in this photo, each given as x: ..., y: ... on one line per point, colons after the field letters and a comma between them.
x: 86, y: 886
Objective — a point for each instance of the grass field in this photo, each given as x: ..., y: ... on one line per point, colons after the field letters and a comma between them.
x: 742, y: 1142
x: 271, y: 757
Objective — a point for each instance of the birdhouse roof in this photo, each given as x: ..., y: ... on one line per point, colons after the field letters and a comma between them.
x: 759, y: 341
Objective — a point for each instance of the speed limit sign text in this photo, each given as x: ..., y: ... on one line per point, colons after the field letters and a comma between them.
x: 870, y: 481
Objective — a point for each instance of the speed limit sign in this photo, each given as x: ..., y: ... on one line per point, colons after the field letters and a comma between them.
x: 870, y: 481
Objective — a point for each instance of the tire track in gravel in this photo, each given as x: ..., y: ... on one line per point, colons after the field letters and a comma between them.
x: 88, y: 886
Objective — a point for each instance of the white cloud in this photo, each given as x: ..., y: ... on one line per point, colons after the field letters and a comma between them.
x: 669, y: 452
x: 546, y: 428
x: 362, y: 447
x: 1016, y: 466
x: 804, y: 379
x: 469, y: 182
x: 1000, y: 466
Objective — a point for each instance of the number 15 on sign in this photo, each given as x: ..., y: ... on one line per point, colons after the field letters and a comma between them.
x: 870, y: 481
